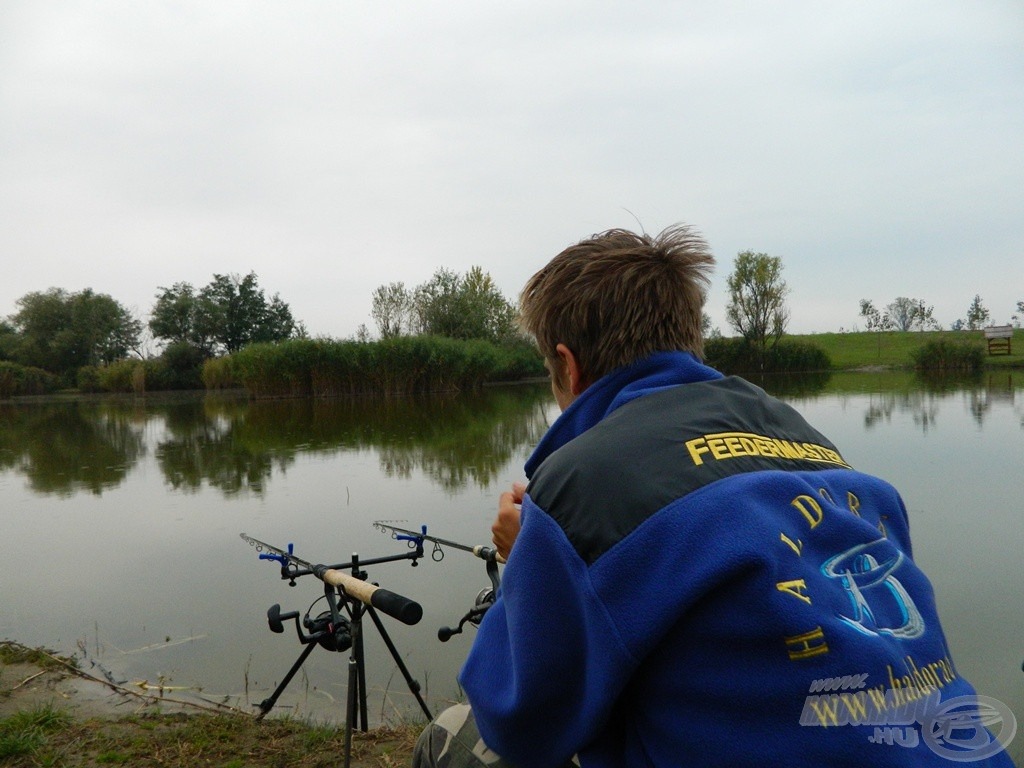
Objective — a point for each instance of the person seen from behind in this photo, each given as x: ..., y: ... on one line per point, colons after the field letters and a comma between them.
x: 692, y: 565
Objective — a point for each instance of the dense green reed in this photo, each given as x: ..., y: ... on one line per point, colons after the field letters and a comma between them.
x: 399, y: 366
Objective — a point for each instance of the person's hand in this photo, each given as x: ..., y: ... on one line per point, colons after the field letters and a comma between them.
x: 506, y: 524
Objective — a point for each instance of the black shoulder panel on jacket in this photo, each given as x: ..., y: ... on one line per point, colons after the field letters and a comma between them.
x: 661, y: 447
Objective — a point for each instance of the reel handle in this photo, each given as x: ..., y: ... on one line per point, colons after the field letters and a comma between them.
x: 276, y: 619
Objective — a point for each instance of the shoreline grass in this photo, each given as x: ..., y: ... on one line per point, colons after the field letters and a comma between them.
x: 47, y: 735
x: 42, y: 727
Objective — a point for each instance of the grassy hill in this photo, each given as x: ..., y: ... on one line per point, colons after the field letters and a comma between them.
x: 892, y: 349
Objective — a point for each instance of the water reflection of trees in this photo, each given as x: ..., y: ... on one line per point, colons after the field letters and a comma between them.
x: 236, y: 446
x: 922, y: 407
x: 204, y: 445
x: 792, y: 385
x: 997, y: 388
x: 69, y: 447
x: 454, y: 439
x: 980, y: 393
x: 905, y: 392
x: 468, y: 441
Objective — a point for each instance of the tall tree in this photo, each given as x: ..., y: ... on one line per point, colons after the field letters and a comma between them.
x: 488, y: 314
x: 393, y: 310
x: 757, y: 298
x: 902, y: 313
x: 924, y: 317
x: 8, y: 340
x: 61, y: 331
x: 911, y: 314
x: 977, y: 315
x: 226, y: 314
x: 466, y: 306
x: 876, y: 321
x: 177, y: 318
x: 436, y: 304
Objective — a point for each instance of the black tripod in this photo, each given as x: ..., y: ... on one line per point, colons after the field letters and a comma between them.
x: 337, y: 631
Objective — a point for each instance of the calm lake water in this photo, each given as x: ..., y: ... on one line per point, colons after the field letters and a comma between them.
x: 120, y: 524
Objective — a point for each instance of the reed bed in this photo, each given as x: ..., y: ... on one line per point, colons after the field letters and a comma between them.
x: 399, y: 366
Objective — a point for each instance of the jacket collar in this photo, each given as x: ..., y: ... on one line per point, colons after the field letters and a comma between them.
x: 660, y: 371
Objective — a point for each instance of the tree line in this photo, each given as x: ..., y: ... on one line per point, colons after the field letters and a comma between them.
x: 88, y: 340
x: 63, y: 332
x: 73, y: 336
x: 470, y: 307
x: 906, y: 314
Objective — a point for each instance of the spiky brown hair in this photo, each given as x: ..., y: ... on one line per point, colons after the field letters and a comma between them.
x: 619, y: 296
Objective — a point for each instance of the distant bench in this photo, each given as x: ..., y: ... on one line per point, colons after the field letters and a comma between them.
x: 998, y: 337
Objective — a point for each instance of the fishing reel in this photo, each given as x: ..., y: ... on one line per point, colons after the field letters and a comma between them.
x: 331, y: 634
x: 484, y: 600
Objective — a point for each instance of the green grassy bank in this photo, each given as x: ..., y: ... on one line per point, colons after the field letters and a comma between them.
x: 895, y: 349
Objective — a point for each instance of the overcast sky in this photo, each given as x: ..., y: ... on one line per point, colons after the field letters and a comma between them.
x: 334, y: 146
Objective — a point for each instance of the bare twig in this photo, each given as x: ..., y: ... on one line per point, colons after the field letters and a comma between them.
x: 212, y: 706
x: 28, y: 679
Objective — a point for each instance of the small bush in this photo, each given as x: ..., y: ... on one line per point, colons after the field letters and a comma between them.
x: 797, y: 356
x: 737, y: 355
x: 122, y: 376
x: 945, y: 354
x: 88, y: 379
x: 218, y: 373
x: 520, y: 359
x: 179, y: 367
x: 18, y: 380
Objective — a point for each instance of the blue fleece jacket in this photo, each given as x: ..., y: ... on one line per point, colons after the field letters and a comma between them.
x: 702, y: 580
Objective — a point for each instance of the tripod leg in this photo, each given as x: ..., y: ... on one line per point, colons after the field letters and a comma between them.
x: 414, y: 686
x: 268, y: 703
x: 350, y: 710
x: 361, y: 669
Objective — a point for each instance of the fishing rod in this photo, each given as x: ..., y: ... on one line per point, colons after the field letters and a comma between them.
x: 484, y: 599
x: 394, y: 605
x: 336, y: 632
x: 437, y: 554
